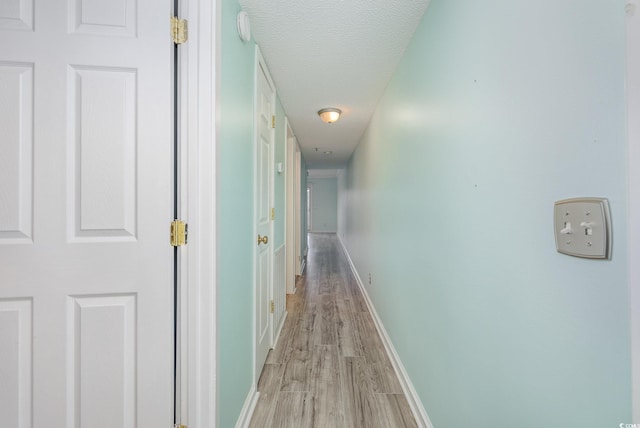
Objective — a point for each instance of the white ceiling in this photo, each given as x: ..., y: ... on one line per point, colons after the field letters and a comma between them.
x: 332, y: 53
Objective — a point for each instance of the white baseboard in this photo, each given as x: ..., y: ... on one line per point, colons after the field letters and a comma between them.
x: 247, y: 409
x: 419, y: 413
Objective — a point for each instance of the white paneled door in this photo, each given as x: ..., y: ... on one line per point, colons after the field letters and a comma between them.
x: 265, y: 111
x: 86, y: 185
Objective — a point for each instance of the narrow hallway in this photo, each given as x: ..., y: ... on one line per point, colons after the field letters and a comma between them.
x: 329, y: 367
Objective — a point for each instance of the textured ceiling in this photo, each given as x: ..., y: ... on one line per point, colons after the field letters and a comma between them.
x: 331, y: 53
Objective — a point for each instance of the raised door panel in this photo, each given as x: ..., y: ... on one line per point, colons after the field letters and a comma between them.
x: 16, y: 162
x: 115, y: 17
x: 16, y: 15
x: 16, y: 399
x: 101, y: 361
x: 102, y: 153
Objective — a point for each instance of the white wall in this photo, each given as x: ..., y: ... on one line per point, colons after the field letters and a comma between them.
x: 324, y: 204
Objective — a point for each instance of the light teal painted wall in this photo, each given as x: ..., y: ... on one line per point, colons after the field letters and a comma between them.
x: 235, y: 220
x: 324, y: 204
x: 235, y: 216
x: 498, y: 109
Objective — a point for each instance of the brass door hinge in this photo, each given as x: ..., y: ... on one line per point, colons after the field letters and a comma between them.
x: 179, y: 30
x: 272, y: 307
x: 178, y: 233
x: 179, y: 426
x: 273, y: 213
x: 273, y: 121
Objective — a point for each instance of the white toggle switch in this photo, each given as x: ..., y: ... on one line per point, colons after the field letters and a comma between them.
x: 593, y: 238
x: 588, y: 228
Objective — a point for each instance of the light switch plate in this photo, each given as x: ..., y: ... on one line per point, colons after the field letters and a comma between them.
x: 582, y: 227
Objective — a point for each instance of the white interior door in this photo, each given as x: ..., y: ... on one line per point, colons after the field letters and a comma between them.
x: 85, y: 202
x: 265, y: 111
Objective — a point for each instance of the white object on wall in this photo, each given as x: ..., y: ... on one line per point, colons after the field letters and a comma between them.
x: 244, y: 28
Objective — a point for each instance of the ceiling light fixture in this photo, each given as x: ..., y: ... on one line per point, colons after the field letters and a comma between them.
x: 329, y: 115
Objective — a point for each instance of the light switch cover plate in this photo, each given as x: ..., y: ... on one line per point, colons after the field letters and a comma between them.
x: 582, y: 227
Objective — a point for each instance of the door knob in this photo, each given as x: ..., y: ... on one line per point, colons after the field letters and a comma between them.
x: 262, y: 239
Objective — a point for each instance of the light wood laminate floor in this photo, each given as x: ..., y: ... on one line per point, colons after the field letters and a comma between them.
x: 329, y: 367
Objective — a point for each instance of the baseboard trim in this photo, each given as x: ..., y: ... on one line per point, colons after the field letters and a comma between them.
x: 247, y: 409
x: 422, y: 419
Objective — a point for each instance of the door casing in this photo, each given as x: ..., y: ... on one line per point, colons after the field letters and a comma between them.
x: 263, y: 294
x: 292, y: 217
x: 633, y: 177
x: 199, y: 130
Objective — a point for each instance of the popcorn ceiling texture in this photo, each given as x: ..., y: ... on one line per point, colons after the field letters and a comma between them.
x: 332, y: 53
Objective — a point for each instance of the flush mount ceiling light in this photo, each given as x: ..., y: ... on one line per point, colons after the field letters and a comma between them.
x: 329, y: 115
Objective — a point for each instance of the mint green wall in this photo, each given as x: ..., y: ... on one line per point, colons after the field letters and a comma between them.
x: 235, y: 220
x: 498, y: 109
x: 324, y: 204
x: 279, y: 179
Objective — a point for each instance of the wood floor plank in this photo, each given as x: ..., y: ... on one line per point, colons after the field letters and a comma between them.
x: 326, y: 387
x: 295, y: 302
x: 384, y: 378
x: 360, y: 405
x: 269, y: 388
x: 324, y: 282
x: 280, y: 351
x: 328, y: 319
x: 293, y: 410
x: 357, y: 300
x: 297, y: 372
x: 395, y: 411
x: 348, y: 338
x: 373, y: 347
x: 306, y: 331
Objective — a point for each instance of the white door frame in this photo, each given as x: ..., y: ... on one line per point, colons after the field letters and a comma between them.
x: 309, y: 207
x: 260, y: 66
x: 198, y: 130
x: 297, y: 158
x: 290, y: 215
x: 633, y: 177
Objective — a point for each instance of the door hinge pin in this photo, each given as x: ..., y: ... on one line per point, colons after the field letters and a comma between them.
x: 179, y: 426
x: 273, y: 213
x: 179, y: 30
x: 272, y: 307
x: 273, y: 121
x: 178, y: 236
